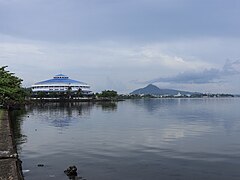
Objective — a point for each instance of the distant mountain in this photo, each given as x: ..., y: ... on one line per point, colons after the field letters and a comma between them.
x: 154, y: 90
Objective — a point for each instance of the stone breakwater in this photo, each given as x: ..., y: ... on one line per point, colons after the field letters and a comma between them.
x: 10, y: 165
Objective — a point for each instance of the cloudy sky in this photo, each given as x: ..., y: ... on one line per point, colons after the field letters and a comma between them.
x: 124, y: 44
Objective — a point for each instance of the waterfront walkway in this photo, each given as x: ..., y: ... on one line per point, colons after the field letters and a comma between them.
x: 9, y: 163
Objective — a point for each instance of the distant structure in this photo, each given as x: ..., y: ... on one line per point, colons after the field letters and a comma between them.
x: 61, y: 83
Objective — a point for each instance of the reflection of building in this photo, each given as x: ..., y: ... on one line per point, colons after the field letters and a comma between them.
x: 61, y: 83
x: 61, y: 114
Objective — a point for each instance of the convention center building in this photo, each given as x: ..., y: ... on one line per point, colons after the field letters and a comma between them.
x: 61, y: 83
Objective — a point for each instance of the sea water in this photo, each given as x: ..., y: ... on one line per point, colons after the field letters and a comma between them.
x: 148, y: 139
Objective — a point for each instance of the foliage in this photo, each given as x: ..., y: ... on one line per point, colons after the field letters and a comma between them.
x: 11, y: 92
x: 108, y: 94
x: 80, y: 92
x: 27, y: 92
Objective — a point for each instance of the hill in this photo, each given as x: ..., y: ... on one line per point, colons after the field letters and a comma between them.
x: 154, y: 90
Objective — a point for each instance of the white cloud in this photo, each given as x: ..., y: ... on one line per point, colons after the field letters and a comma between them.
x: 94, y: 55
x: 100, y: 63
x: 9, y: 50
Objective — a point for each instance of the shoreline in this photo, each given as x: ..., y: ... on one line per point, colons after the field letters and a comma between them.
x: 46, y: 100
x: 10, y: 164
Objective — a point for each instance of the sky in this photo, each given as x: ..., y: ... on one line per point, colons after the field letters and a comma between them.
x: 124, y: 44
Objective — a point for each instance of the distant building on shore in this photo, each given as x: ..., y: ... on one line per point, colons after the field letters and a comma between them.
x: 61, y: 83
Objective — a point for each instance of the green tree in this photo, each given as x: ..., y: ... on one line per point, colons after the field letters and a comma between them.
x: 11, y: 92
x: 108, y: 94
x: 41, y: 94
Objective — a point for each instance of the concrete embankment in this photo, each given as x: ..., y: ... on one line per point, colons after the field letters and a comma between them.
x: 10, y: 165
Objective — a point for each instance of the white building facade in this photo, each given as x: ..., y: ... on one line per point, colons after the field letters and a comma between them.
x: 61, y: 83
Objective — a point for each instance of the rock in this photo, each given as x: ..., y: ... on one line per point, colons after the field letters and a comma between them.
x: 15, y: 155
x: 40, y: 165
x: 71, y: 172
x: 4, y: 153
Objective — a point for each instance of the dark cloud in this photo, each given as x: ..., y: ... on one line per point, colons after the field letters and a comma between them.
x: 133, y: 19
x: 231, y: 68
x: 202, y: 77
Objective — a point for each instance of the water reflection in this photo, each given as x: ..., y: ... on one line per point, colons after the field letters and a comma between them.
x: 60, y: 114
x: 65, y: 114
x: 193, y: 114
x: 134, y: 139
x: 152, y: 105
x: 107, y: 106
x: 66, y: 108
x: 16, y: 118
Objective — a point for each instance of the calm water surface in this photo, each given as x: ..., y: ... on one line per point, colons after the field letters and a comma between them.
x: 153, y: 139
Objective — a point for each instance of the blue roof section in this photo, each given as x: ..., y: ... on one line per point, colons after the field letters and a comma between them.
x: 60, y: 80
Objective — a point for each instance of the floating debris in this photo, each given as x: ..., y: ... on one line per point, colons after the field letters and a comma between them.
x: 25, y: 171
